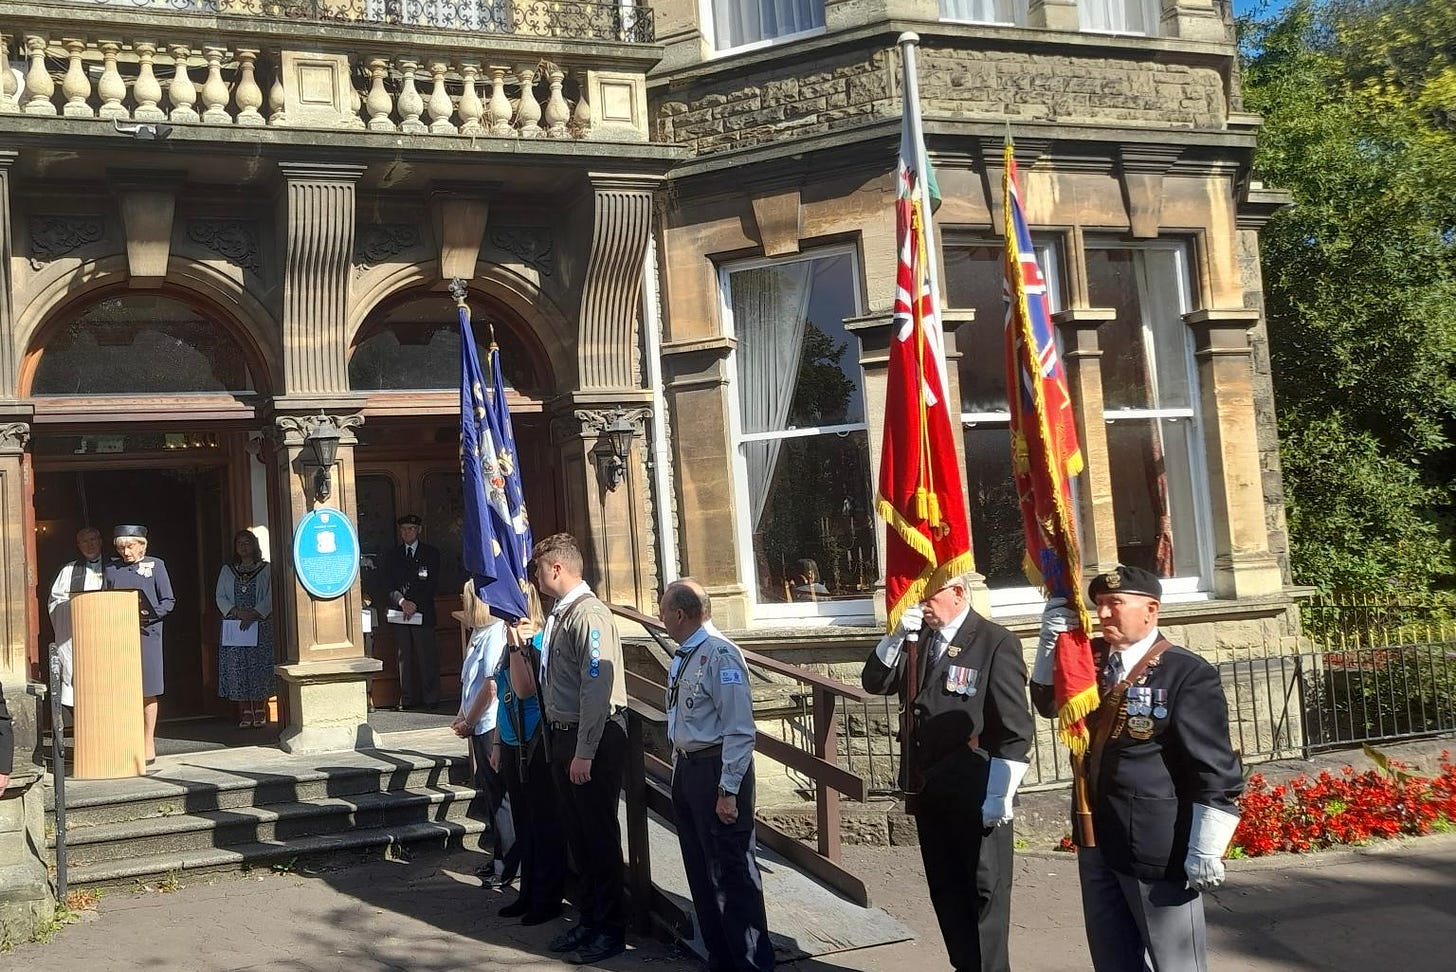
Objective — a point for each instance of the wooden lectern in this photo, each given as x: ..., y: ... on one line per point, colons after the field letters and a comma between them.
x: 106, y: 645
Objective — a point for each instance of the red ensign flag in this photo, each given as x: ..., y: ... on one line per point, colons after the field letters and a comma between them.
x: 927, y: 541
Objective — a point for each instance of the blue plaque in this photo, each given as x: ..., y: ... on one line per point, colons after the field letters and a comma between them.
x: 326, y: 553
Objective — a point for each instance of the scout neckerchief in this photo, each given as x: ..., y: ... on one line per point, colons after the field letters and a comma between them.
x: 1111, y: 714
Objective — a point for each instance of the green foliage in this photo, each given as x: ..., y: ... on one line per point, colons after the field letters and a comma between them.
x: 1360, y: 282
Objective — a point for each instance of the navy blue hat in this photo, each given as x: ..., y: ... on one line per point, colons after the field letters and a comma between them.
x: 1127, y: 580
x: 409, y: 519
x: 129, y: 530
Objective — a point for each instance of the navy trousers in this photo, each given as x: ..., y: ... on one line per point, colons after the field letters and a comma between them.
x: 721, y: 861
x: 589, y: 813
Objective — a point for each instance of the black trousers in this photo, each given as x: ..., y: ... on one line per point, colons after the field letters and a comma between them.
x: 540, y: 844
x: 419, y: 664
x: 721, y: 861
x: 974, y: 915
x: 589, y: 812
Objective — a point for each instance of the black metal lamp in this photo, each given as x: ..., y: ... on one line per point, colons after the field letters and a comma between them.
x: 323, y: 442
x: 618, y: 434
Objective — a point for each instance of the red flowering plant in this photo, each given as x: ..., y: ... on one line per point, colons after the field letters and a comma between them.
x: 1344, y: 808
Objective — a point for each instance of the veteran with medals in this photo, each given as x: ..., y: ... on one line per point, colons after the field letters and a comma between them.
x: 961, y: 765
x: 133, y: 570
x: 1164, y: 783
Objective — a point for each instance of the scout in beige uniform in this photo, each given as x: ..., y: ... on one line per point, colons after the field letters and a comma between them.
x: 585, y: 690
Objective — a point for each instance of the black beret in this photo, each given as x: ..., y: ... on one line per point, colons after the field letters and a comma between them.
x: 409, y: 519
x: 1126, y: 580
x: 129, y: 530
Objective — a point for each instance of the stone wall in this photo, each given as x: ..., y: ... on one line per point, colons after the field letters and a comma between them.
x: 834, y: 93
x: 959, y: 83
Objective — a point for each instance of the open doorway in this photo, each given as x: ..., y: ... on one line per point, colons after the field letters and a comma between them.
x: 184, y: 510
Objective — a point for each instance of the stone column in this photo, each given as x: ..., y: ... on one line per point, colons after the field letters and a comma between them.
x: 1194, y: 20
x: 1243, y: 567
x: 326, y: 670
x: 696, y: 375
x: 1053, y: 14
x: 611, y: 521
x: 25, y: 891
x: 621, y: 220
x: 318, y: 225
x: 9, y: 355
x: 1082, y: 355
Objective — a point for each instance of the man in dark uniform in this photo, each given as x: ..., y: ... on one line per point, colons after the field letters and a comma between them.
x: 961, y: 765
x: 711, y: 730
x: 411, y: 575
x: 1164, y: 783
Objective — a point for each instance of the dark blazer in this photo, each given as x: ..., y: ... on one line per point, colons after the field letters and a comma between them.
x: 991, y: 708
x: 414, y: 580
x: 7, y: 739
x: 1146, y: 787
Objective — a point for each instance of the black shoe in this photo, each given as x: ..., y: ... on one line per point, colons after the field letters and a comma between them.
x: 540, y: 916
x: 597, y: 948
x: 568, y: 940
x: 515, y: 909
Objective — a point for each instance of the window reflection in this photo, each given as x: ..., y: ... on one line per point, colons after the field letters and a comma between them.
x: 997, y: 539
x: 141, y: 345
x: 416, y: 345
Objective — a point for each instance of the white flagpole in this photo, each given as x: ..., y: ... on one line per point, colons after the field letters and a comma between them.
x: 911, y: 92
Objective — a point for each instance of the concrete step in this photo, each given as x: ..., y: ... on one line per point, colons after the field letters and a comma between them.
x: 184, y: 864
x: 278, y: 822
x: 177, y: 788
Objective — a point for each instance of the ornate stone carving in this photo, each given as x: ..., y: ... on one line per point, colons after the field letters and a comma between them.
x: 54, y: 236
x: 533, y: 246
x: 235, y: 240
x: 378, y: 242
x: 292, y: 430
x: 591, y: 423
x: 14, y: 436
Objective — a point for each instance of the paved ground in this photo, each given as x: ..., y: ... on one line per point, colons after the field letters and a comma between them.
x: 1386, y: 908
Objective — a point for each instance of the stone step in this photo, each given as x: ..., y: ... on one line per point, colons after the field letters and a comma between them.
x: 181, y: 865
x: 278, y: 822
x: 176, y: 790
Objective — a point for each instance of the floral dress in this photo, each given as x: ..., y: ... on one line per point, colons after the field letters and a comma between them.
x: 245, y: 672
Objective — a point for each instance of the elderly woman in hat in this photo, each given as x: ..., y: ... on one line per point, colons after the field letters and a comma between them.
x: 135, y: 571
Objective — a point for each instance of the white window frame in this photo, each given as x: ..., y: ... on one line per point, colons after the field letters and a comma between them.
x: 1194, y: 587
x: 1019, y: 15
x: 709, y: 32
x: 1010, y: 602
x: 764, y: 614
x: 1152, y: 11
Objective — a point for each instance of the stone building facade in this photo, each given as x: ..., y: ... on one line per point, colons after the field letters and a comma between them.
x: 226, y: 225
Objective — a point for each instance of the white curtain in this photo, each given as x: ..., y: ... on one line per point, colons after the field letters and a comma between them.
x: 1120, y: 16
x: 739, y: 22
x: 770, y: 317
x: 985, y: 11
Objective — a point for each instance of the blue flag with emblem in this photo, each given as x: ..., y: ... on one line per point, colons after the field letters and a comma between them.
x: 490, y: 543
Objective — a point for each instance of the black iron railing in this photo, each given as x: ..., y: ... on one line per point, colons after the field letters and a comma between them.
x: 606, y: 20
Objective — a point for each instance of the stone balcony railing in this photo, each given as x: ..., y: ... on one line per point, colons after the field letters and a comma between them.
x: 607, y: 20
x: 183, y: 71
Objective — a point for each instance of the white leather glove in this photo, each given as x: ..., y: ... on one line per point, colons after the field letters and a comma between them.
x: 1208, y: 838
x: 912, y: 620
x: 1055, y: 619
x: 1001, y: 787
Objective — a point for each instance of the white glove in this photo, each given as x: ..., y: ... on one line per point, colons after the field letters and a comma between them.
x: 1001, y: 787
x: 911, y: 621
x: 1207, y: 840
x: 1055, y: 619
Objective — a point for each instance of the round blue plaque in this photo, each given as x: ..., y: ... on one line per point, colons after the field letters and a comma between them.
x: 326, y: 553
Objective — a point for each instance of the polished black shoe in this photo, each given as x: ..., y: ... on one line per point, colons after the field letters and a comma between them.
x: 515, y: 909
x: 598, y: 948
x: 540, y: 916
x: 568, y: 940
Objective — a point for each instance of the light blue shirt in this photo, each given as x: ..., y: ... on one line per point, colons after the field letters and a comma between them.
x: 482, y: 658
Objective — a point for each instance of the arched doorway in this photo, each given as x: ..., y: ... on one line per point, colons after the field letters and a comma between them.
x: 406, y: 356
x: 145, y: 405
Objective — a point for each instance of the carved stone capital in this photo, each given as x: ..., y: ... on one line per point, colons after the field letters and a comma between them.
x: 293, y: 430
x: 14, y: 437
x: 591, y: 423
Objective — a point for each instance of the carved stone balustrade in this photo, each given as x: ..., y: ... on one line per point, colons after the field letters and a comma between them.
x: 471, y: 82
